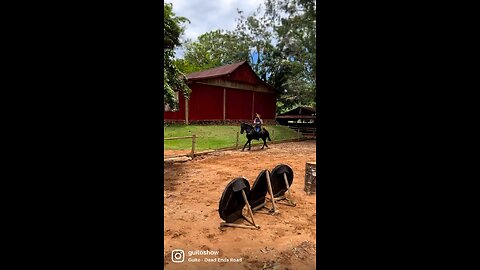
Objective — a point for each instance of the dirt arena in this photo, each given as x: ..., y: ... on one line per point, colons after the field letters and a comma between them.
x: 192, y: 192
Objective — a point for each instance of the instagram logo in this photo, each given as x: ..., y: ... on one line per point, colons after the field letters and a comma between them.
x: 178, y: 255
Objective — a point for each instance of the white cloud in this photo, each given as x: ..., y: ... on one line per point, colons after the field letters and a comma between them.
x: 207, y: 16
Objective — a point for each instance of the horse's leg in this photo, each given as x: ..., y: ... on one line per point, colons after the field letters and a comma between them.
x: 249, y: 144
x: 265, y: 140
x: 245, y: 145
x: 263, y: 143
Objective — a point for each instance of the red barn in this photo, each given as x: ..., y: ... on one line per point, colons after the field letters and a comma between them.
x: 225, y: 94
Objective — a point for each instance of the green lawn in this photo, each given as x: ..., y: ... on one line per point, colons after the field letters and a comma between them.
x: 217, y: 136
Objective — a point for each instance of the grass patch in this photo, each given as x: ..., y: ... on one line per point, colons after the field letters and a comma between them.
x: 217, y: 136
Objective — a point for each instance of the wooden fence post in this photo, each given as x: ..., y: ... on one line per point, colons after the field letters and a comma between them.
x: 273, y: 134
x: 236, y: 144
x: 298, y: 133
x: 193, y: 145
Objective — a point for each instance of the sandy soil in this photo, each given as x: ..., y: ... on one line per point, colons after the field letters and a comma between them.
x: 168, y: 153
x: 192, y: 192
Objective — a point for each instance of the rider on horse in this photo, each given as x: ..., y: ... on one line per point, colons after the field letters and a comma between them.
x: 258, y: 122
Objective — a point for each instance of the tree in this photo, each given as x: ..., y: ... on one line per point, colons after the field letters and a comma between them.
x: 212, y: 49
x: 257, y: 32
x: 296, y: 30
x: 283, y: 36
x: 279, y: 43
x: 250, y: 41
x: 173, y: 78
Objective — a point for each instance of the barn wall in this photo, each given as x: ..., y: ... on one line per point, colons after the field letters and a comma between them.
x: 238, y: 104
x: 178, y: 115
x: 265, y: 105
x: 244, y: 74
x: 206, y: 103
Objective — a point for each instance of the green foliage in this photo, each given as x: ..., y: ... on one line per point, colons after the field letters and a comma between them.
x: 256, y: 31
x: 279, y: 42
x: 295, y: 28
x: 217, y: 136
x: 174, y: 79
x: 212, y: 49
x: 172, y: 27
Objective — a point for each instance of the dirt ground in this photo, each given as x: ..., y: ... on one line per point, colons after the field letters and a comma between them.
x: 192, y: 192
x: 168, y: 153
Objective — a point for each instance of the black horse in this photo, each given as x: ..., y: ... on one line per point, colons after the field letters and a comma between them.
x: 252, y: 134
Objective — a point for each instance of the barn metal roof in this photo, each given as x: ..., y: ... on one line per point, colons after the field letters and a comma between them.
x: 214, y: 72
x: 223, y: 71
x: 296, y: 117
x: 301, y: 110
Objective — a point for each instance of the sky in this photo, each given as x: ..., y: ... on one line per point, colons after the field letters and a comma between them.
x: 207, y: 15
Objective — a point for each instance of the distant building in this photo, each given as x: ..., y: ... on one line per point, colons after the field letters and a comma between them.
x: 298, y: 117
x: 230, y: 93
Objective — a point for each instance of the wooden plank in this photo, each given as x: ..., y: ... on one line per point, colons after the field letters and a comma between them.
x: 175, y: 156
x: 270, y: 191
x: 194, y: 141
x: 186, y: 111
x: 204, y: 152
x: 232, y: 148
x: 224, y: 103
x: 290, y: 199
x: 177, y: 138
x: 253, y: 105
x: 248, y: 208
x: 177, y: 159
x: 224, y: 224
x: 236, y: 144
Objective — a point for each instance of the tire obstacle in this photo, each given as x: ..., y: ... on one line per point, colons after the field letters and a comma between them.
x: 238, y: 195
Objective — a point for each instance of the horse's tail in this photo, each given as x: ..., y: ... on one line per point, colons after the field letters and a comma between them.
x: 268, y: 134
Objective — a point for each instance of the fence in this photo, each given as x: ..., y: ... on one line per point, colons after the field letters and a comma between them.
x: 302, y: 134
x: 194, y: 141
x: 306, y: 132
